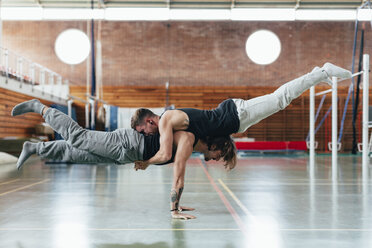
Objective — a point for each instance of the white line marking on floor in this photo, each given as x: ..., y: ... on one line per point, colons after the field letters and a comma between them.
x: 126, y: 229
x: 9, y: 181
x: 240, y: 204
x: 24, y: 187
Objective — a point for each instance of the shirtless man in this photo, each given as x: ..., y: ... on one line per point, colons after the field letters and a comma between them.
x: 231, y: 116
x: 121, y: 146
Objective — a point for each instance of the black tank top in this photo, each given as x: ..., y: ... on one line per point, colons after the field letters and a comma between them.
x: 223, y: 120
x: 152, y: 146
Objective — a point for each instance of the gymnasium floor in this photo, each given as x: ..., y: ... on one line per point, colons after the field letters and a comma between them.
x: 266, y: 201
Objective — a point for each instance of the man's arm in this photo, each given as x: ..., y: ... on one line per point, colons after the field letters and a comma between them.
x: 184, y: 149
x: 165, y: 151
x: 170, y: 121
x: 166, y: 140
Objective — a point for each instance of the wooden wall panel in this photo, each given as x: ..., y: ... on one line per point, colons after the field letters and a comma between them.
x: 19, y: 126
x: 290, y: 124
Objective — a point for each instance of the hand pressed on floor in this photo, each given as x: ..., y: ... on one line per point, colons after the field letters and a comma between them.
x: 177, y: 215
x: 140, y: 165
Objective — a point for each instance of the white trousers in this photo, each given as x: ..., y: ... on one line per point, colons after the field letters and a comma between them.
x: 254, y: 110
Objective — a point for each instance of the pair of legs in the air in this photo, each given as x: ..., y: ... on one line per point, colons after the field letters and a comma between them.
x: 254, y: 110
x: 79, y: 145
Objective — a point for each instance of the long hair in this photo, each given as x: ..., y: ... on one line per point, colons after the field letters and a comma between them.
x: 227, y: 147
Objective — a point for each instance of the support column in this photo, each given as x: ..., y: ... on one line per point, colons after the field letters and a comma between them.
x: 365, y: 159
x: 312, y: 130
x: 334, y: 128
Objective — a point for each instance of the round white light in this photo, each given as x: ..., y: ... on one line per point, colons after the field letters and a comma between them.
x: 72, y: 46
x: 263, y: 47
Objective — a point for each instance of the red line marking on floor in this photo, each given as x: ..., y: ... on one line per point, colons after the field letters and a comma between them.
x: 232, y: 211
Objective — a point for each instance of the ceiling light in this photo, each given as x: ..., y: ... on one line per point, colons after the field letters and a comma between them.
x: 137, y: 14
x: 72, y: 46
x: 240, y: 14
x: 199, y: 14
x: 72, y: 14
x: 325, y: 15
x: 165, y: 14
x: 21, y: 13
x: 364, y: 14
x: 263, y: 47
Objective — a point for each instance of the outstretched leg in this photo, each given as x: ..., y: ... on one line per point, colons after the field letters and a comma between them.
x: 114, y: 145
x: 254, y: 110
x: 59, y: 150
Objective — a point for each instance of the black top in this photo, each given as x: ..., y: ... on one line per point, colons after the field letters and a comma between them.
x: 223, y: 120
x: 152, y: 146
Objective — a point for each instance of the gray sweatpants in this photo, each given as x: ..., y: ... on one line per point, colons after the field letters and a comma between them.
x: 62, y: 151
x: 254, y: 110
x: 122, y: 145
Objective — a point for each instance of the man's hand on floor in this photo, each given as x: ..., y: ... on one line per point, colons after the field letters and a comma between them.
x: 177, y: 215
x: 141, y: 165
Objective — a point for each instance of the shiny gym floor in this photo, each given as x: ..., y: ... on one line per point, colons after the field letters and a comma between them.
x: 267, y: 201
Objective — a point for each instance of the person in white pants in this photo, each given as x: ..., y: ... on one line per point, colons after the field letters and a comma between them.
x: 231, y: 116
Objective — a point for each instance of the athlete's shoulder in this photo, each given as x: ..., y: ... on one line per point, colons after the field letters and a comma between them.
x: 172, y: 113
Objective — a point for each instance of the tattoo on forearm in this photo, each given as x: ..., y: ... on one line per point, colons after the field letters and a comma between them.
x: 176, y: 196
x: 180, y: 193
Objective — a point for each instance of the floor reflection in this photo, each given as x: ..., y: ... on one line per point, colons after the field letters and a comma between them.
x: 179, y: 239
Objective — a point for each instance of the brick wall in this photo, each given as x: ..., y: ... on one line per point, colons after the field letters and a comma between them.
x: 190, y: 53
